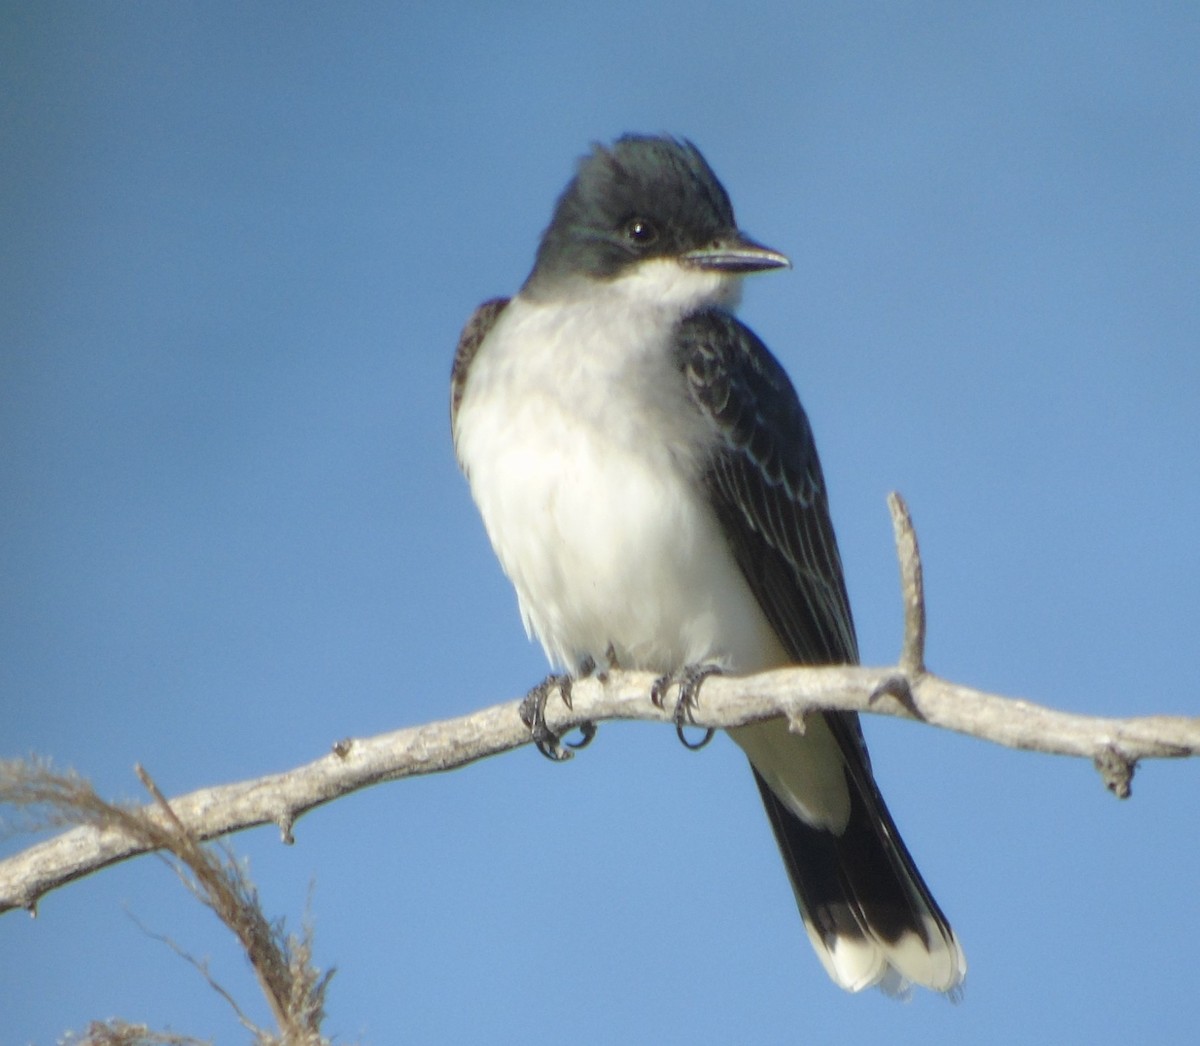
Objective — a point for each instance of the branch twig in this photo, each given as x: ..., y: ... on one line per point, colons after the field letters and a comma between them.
x: 912, y: 586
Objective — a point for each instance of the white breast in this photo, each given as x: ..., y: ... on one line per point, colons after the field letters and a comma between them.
x: 583, y: 456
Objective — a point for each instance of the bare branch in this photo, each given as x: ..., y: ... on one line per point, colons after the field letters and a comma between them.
x: 726, y: 701
x: 906, y: 691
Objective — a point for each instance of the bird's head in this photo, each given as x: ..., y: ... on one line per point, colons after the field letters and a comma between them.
x: 648, y: 210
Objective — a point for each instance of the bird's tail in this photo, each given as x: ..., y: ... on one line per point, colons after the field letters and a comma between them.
x: 871, y: 918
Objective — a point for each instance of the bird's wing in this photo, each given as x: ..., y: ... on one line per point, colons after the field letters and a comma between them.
x: 481, y: 322
x: 865, y: 905
x: 765, y: 483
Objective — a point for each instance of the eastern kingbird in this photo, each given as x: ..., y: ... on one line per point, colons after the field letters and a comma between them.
x: 650, y: 484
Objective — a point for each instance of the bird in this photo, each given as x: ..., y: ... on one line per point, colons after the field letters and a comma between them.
x: 649, y: 482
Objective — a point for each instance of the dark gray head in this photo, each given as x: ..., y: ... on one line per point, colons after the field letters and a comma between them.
x: 644, y: 198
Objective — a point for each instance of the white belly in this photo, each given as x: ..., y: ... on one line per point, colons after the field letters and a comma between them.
x: 583, y: 467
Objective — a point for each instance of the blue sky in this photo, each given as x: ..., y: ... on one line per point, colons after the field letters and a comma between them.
x: 237, y: 245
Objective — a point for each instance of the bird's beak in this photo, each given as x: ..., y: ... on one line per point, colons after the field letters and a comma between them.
x: 735, y: 254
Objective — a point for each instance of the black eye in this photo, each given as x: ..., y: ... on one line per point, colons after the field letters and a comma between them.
x: 641, y: 231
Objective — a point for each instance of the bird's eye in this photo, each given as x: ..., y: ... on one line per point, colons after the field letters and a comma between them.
x: 641, y: 231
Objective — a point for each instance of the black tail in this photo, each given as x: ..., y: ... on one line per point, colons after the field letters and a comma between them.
x: 869, y: 913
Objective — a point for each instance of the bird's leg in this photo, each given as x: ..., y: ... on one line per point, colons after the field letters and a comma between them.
x: 610, y: 655
x: 587, y: 667
x: 533, y: 713
x: 689, y: 679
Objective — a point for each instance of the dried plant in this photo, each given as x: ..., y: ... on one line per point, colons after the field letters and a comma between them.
x: 282, y: 962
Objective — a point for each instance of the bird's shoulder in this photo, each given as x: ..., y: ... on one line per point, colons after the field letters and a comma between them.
x: 735, y: 380
x: 473, y: 334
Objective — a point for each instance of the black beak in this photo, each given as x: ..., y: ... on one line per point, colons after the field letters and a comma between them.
x: 736, y: 254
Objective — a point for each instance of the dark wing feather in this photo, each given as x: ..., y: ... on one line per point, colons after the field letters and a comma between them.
x: 764, y: 482
x: 477, y: 328
x: 766, y: 486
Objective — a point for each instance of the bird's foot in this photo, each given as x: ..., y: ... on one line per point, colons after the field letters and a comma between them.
x: 689, y: 679
x: 533, y: 714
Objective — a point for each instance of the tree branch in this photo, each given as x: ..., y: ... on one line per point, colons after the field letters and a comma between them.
x: 906, y: 691
x: 1116, y: 745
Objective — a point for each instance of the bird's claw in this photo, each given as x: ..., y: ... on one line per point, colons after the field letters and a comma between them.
x: 689, y: 679
x: 588, y: 729
x: 533, y: 714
